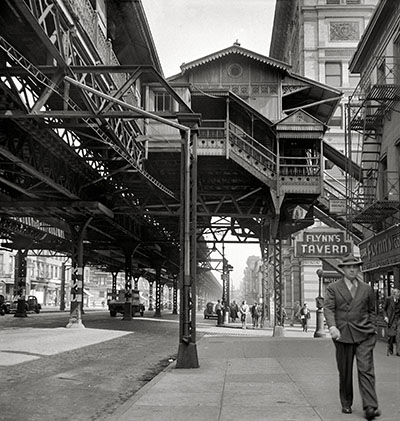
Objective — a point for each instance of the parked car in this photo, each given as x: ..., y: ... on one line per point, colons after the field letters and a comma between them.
x: 3, y: 305
x: 31, y: 304
x: 209, y: 312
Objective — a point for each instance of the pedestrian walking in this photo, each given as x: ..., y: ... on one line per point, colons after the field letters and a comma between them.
x: 244, y: 310
x: 391, y: 312
x: 350, y: 315
x: 305, y: 316
x: 284, y: 315
x: 218, y: 310
x: 255, y: 314
x: 234, y: 311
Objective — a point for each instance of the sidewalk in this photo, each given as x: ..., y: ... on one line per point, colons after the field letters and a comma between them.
x: 249, y: 374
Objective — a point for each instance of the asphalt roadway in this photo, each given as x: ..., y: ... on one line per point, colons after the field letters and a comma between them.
x: 128, y: 372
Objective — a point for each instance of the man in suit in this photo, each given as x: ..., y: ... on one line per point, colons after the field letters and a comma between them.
x: 391, y: 312
x: 350, y: 315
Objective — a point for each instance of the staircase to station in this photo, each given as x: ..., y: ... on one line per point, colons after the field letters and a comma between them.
x: 259, y: 160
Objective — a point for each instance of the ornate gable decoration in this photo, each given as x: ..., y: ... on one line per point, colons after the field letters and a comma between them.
x: 300, y: 122
x: 235, y: 49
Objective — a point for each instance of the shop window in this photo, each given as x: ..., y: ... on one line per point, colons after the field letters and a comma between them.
x: 380, y: 288
x: 163, y: 102
x: 333, y: 74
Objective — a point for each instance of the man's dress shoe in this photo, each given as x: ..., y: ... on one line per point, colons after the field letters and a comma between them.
x: 346, y: 410
x: 372, y: 413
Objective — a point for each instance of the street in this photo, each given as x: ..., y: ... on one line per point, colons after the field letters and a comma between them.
x: 82, y: 383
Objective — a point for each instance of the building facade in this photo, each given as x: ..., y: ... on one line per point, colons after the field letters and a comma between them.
x: 375, y: 112
x: 319, y: 40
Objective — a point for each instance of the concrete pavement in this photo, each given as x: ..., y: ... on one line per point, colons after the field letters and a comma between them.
x: 243, y: 374
x: 249, y: 374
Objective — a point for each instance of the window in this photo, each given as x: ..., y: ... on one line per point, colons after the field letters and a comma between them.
x: 337, y: 119
x: 333, y: 74
x: 343, y: 1
x: 163, y: 102
x: 353, y: 80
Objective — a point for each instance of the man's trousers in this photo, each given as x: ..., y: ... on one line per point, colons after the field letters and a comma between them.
x: 363, y: 352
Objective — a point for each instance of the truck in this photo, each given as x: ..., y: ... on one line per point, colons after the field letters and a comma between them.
x: 117, y: 305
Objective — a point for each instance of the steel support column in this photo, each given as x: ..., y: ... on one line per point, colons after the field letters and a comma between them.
x: 151, y: 295
x: 277, y: 249
x: 128, y: 252
x: 266, y: 284
x: 158, y: 292
x: 62, y: 294
x: 175, y: 296
x: 187, y: 351
x: 20, y: 282
x: 114, y: 276
x: 75, y: 316
x: 169, y: 298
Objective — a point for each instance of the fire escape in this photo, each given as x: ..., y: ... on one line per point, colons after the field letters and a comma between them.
x: 375, y: 198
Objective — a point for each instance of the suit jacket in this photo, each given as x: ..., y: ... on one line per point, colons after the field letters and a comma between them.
x: 389, y: 310
x: 354, y: 317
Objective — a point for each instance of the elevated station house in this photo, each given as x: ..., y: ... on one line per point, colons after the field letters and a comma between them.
x: 253, y: 121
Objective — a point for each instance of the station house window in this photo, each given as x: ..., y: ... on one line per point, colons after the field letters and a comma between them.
x: 162, y: 101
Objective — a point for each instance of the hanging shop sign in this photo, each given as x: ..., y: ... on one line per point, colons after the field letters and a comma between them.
x: 337, y: 206
x: 381, y: 250
x: 327, y: 244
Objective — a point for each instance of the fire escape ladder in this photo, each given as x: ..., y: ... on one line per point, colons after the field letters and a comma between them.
x: 375, y: 97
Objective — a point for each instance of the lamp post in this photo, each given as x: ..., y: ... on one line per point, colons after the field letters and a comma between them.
x: 319, y: 330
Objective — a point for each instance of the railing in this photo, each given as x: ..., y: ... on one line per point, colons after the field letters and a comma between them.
x: 379, y: 185
x: 335, y: 189
x: 299, y: 166
x: 212, y: 134
x: 252, y: 147
x: 378, y: 87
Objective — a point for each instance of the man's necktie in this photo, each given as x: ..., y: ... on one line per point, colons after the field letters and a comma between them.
x: 353, y: 289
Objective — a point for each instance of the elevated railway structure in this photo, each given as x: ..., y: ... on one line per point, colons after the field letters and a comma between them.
x: 106, y: 161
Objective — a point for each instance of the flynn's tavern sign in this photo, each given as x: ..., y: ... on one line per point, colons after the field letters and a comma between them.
x: 323, y: 244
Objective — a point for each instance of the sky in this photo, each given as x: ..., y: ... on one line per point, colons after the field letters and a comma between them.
x: 185, y: 30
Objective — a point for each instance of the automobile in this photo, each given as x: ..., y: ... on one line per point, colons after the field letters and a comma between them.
x: 31, y: 304
x: 3, y: 305
x: 209, y: 312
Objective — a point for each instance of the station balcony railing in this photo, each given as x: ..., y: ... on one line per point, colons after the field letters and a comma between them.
x: 213, y: 135
x: 290, y: 174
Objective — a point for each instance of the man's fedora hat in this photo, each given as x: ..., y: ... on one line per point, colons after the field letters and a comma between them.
x: 350, y: 260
